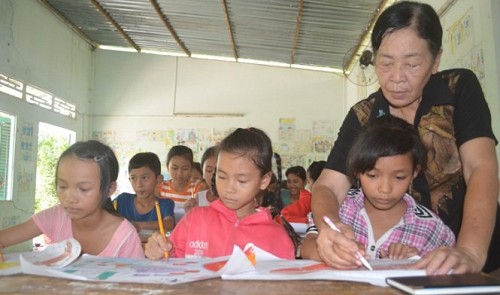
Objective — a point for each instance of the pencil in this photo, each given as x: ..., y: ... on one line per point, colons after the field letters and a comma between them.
x: 361, y: 258
x: 160, y: 223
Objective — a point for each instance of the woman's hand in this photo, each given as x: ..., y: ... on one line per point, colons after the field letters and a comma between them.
x: 447, y: 260
x: 338, y: 249
x: 156, y: 246
x: 399, y: 251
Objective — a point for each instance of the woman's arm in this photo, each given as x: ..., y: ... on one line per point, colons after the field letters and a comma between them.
x: 480, y: 204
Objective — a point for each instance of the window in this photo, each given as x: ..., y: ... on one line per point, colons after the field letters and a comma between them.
x: 36, y: 96
x: 7, y: 136
x: 52, y: 141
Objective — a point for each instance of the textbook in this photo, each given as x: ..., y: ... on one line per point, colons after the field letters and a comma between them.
x: 64, y: 260
x: 447, y: 284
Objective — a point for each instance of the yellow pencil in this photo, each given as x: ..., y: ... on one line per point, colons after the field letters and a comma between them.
x: 160, y: 223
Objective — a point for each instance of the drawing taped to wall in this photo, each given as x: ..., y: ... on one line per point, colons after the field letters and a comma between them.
x: 459, y: 37
x: 296, y: 146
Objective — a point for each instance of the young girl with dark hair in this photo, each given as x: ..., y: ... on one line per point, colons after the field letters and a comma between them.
x: 244, y: 169
x: 86, y: 176
x: 386, y: 220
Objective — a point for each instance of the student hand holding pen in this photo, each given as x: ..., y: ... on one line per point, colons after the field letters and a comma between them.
x: 343, y: 254
x: 157, y: 246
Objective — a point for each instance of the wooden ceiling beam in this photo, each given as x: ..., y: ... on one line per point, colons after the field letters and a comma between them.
x: 167, y: 24
x: 298, y: 24
x: 115, y: 24
x: 229, y: 28
x: 366, y: 36
x: 70, y: 24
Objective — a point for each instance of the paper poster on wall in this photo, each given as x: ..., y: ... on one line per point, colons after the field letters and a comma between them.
x: 302, y: 141
x: 218, y: 134
x: 204, y: 141
x: 324, y: 128
x: 322, y: 144
x: 474, y: 61
x: 287, y: 124
x: 289, y: 160
x: 152, y: 135
x: 27, y: 142
x: 309, y: 158
x: 186, y: 137
x: 283, y: 147
x: 459, y: 37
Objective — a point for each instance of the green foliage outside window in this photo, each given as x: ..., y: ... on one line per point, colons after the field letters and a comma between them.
x: 49, y: 150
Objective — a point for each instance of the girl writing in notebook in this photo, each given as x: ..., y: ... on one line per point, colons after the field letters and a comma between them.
x: 244, y: 169
x: 386, y: 221
x: 86, y: 176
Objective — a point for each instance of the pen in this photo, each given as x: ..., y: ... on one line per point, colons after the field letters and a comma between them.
x: 160, y: 223
x: 359, y: 256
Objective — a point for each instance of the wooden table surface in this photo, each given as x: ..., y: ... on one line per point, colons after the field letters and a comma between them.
x: 28, y: 284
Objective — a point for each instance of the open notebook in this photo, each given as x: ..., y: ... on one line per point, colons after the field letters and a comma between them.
x: 251, y: 263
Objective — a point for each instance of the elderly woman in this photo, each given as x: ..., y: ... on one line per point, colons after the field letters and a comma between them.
x: 448, y: 108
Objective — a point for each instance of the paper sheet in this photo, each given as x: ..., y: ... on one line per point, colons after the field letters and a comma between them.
x: 251, y: 263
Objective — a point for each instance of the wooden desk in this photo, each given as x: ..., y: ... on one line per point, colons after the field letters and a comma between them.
x: 27, y: 284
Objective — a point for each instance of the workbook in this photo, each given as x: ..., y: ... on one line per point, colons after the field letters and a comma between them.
x: 63, y: 260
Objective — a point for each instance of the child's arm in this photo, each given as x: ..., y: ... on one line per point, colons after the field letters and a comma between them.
x: 19, y: 233
x: 399, y: 251
x: 309, y: 249
x: 168, y: 223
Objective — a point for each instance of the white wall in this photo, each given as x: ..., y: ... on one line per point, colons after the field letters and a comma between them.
x: 135, y: 92
x: 37, y: 48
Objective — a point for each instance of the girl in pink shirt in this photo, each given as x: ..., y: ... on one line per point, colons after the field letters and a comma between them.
x: 86, y: 176
x: 244, y: 169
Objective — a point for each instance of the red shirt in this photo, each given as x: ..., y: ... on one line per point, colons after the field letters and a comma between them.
x: 213, y: 231
x: 297, y: 211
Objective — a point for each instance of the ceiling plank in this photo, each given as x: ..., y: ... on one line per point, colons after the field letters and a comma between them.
x: 297, y: 32
x: 115, y: 24
x: 366, y: 35
x: 69, y: 23
x: 229, y: 28
x: 167, y: 24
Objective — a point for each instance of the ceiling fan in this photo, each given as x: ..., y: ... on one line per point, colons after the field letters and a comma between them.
x: 365, y: 75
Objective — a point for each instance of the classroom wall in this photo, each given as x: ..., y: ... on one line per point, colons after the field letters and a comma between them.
x: 49, y: 56
x: 138, y: 99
